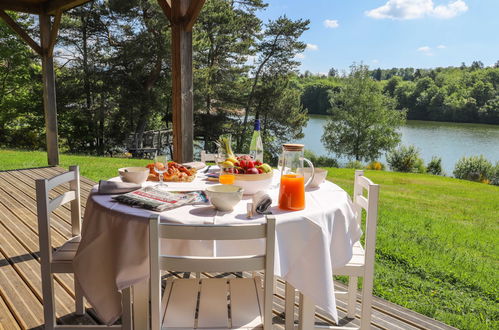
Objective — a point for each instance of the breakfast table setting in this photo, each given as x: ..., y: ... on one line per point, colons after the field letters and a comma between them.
x: 315, y: 225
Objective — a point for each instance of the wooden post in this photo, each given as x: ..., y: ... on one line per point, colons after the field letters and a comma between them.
x: 182, y: 96
x: 49, y: 100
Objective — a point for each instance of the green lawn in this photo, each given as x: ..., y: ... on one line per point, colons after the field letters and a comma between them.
x: 437, y: 244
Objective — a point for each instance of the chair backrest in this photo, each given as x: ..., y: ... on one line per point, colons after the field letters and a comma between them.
x: 212, y: 264
x: 370, y: 205
x: 45, y: 206
x: 206, y: 157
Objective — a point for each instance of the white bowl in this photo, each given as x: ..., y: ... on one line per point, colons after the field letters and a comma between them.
x: 252, y: 183
x: 319, y: 176
x: 224, y: 196
x: 134, y: 174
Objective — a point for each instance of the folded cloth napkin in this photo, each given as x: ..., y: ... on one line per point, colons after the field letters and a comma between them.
x: 116, y: 187
x: 261, y: 203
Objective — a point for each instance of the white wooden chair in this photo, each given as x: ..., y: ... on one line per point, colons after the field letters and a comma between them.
x: 207, y: 303
x: 61, y: 260
x: 206, y: 157
x: 362, y: 262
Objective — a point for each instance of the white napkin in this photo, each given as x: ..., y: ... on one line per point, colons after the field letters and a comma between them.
x: 261, y: 202
x: 116, y: 187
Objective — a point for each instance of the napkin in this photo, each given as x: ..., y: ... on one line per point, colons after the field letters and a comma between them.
x: 261, y: 203
x: 116, y: 187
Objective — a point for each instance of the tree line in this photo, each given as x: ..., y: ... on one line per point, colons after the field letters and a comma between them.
x: 456, y: 94
x: 113, y: 76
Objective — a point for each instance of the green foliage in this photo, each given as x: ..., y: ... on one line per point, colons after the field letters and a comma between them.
x: 475, y: 168
x: 363, y: 120
x: 405, y: 159
x: 21, y: 109
x: 355, y: 164
x: 316, y: 95
x: 435, y: 166
x: 321, y: 161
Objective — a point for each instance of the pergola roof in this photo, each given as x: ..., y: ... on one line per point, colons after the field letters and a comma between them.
x: 39, y: 6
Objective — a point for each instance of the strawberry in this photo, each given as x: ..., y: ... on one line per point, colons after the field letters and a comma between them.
x: 260, y: 171
x: 250, y: 164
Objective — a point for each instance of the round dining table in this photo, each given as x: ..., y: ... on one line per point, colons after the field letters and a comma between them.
x: 310, y: 244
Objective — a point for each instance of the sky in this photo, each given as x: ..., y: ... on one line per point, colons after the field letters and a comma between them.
x: 393, y: 33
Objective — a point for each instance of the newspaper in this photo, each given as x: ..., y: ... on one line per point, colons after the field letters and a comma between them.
x: 160, y: 200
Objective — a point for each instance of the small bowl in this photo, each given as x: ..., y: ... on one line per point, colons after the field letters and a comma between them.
x: 134, y: 174
x: 253, y: 183
x: 224, y: 196
x: 319, y: 176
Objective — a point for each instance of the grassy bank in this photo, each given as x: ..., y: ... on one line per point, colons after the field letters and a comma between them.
x: 437, y: 245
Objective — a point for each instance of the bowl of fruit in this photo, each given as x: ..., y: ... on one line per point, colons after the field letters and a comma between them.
x: 251, y: 175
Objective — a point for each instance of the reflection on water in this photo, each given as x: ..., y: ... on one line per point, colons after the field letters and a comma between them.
x: 450, y: 141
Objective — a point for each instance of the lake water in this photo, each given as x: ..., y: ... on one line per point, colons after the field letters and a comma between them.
x: 450, y: 141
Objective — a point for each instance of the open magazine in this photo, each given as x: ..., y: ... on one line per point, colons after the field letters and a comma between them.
x: 160, y: 200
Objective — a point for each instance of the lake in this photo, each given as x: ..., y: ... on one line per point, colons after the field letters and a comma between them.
x: 450, y: 141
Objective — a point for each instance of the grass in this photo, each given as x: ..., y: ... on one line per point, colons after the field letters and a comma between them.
x: 437, y: 248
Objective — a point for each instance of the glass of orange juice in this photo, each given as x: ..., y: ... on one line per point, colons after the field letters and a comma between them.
x: 226, y: 175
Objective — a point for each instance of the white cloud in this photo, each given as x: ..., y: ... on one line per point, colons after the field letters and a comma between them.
x: 425, y: 50
x: 312, y: 47
x: 412, y: 9
x: 299, y: 56
x: 375, y: 61
x: 441, y: 46
x: 452, y: 9
x: 331, y: 23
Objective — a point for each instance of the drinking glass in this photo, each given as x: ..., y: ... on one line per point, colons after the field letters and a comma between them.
x: 226, y: 175
x: 161, y: 166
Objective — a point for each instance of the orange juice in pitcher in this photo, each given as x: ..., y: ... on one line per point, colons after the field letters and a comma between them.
x: 292, y: 187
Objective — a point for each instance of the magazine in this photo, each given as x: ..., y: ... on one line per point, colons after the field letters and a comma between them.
x: 160, y: 200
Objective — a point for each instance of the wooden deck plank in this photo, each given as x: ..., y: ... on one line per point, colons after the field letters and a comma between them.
x: 7, y: 320
x: 28, y: 269
x: 20, y: 295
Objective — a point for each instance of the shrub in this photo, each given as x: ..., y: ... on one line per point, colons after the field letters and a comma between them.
x: 354, y: 164
x: 321, y: 161
x: 475, y: 168
x: 405, y: 159
x: 435, y: 166
x: 377, y: 166
x: 495, y: 179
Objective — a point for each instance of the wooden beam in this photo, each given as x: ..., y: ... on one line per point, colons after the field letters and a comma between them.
x: 20, y: 6
x: 54, y: 31
x: 20, y: 31
x: 182, y: 96
x: 49, y: 100
x: 63, y: 5
x: 167, y: 9
x: 193, y: 13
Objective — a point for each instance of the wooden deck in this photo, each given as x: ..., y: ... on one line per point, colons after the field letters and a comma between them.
x: 20, y: 284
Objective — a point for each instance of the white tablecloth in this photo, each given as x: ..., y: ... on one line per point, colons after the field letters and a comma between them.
x: 113, y: 252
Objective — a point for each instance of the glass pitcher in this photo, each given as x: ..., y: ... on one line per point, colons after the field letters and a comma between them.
x: 292, y: 187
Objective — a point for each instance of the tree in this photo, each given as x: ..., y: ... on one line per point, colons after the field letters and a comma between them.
x: 332, y: 73
x: 276, y: 51
x: 21, y: 110
x: 363, y: 120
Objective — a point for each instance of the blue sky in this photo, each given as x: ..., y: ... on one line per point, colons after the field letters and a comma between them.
x: 394, y: 33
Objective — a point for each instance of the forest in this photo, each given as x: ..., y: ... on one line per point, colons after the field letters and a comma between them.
x: 468, y: 94
x: 113, y: 78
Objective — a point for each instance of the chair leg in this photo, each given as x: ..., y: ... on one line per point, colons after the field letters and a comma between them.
x: 126, y: 316
x: 367, y: 297
x: 48, y: 299
x: 352, y: 296
x: 79, y: 301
